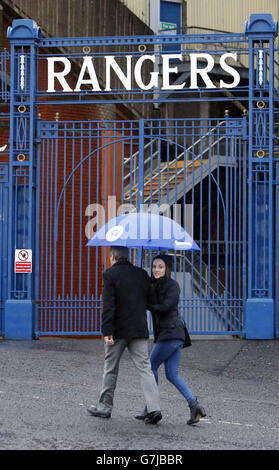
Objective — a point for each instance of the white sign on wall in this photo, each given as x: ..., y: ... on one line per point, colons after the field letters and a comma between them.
x: 23, y: 261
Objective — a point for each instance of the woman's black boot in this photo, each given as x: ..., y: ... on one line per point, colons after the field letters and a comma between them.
x: 143, y: 415
x: 197, y: 412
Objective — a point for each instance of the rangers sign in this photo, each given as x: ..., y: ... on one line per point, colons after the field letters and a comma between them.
x: 200, y: 66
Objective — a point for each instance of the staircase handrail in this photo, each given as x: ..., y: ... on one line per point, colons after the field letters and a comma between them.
x: 212, y: 275
x: 181, y: 170
x: 126, y: 160
x: 168, y: 164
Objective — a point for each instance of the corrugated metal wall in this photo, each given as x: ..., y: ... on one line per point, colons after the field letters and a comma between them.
x: 83, y: 17
x: 227, y: 15
x: 140, y: 8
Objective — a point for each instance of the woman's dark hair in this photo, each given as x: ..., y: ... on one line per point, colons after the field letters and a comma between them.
x: 168, y: 262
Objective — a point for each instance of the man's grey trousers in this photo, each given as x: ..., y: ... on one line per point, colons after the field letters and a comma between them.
x: 138, y: 349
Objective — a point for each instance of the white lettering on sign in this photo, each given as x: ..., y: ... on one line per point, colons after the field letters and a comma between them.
x: 227, y: 68
x: 87, y: 66
x: 59, y: 75
x: 203, y: 72
x: 201, y: 65
x: 153, y: 83
x: 125, y: 79
x: 167, y: 70
x: 22, y: 72
x: 261, y: 62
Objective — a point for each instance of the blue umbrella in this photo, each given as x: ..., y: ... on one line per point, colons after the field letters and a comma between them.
x: 146, y: 230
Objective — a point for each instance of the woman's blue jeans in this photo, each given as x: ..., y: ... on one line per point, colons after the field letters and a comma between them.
x: 169, y: 353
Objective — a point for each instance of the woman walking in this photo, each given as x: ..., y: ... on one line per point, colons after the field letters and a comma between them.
x: 169, y: 333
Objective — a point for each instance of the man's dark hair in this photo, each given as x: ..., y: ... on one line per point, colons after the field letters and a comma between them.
x: 119, y: 252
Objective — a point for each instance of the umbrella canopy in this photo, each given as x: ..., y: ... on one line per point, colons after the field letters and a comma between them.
x: 146, y: 230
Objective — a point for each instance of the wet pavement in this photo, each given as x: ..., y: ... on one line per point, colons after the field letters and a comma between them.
x: 47, y: 385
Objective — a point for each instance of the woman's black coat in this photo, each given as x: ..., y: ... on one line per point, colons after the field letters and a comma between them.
x: 164, y: 308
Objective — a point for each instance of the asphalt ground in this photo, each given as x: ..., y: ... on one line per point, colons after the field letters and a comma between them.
x: 47, y: 385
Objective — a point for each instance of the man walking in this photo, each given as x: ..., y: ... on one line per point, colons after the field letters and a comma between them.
x: 124, y: 324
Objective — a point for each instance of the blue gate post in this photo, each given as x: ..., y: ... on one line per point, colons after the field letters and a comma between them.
x: 261, y: 32
x: 19, y: 311
x: 140, y: 184
x: 3, y: 238
x: 277, y: 250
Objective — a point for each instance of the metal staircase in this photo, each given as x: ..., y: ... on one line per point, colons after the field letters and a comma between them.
x: 217, y: 297
x: 167, y: 182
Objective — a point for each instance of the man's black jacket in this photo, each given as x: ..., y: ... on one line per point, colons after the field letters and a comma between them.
x: 125, y: 297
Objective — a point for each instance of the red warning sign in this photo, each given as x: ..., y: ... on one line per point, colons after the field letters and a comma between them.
x: 23, y: 261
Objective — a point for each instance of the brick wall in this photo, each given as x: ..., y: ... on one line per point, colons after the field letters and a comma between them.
x: 55, y: 164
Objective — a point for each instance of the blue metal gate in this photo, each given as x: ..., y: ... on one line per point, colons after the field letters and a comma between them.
x: 276, y: 221
x: 194, y: 171
x: 3, y: 238
x: 218, y: 177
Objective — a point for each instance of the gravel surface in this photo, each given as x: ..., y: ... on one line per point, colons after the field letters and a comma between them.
x: 47, y: 385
